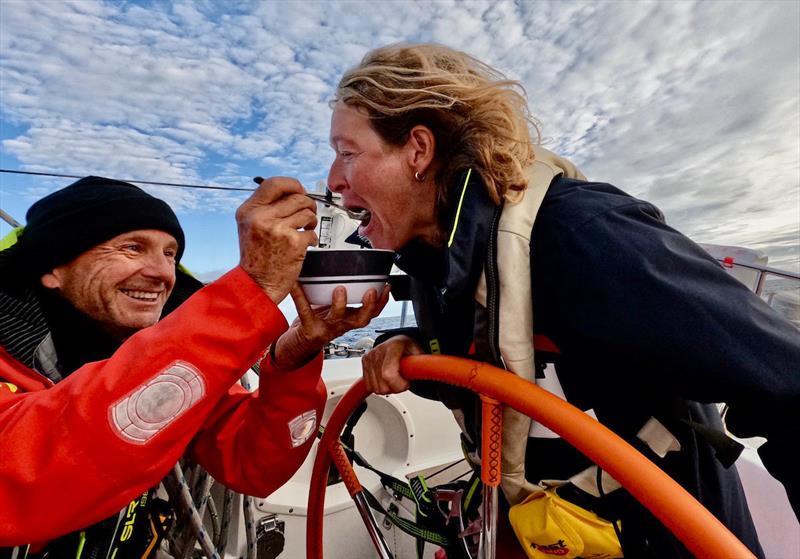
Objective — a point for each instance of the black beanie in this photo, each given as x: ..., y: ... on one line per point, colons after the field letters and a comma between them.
x: 65, y: 224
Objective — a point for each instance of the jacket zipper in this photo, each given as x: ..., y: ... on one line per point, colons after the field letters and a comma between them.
x: 493, y: 291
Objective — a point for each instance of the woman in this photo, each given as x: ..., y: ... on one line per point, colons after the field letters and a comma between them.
x: 635, y: 323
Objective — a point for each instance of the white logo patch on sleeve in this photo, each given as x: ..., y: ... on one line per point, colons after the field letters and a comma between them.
x: 148, y: 409
x: 302, y: 427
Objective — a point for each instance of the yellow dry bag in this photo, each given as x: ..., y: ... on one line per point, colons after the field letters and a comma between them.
x: 550, y: 527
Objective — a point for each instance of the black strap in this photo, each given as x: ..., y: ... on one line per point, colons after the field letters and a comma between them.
x: 431, y: 524
x: 726, y: 449
x: 134, y: 533
x: 407, y: 526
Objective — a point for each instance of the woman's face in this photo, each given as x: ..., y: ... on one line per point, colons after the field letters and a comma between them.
x: 379, y: 177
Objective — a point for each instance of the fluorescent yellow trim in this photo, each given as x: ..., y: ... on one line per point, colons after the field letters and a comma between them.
x: 458, y: 210
x: 470, y: 494
x: 81, y: 543
x: 9, y: 386
x: 11, y: 238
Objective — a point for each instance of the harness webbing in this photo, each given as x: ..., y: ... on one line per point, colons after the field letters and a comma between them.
x: 410, y: 528
x: 427, y: 511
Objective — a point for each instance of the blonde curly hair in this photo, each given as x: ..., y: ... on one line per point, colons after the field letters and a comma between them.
x: 479, y: 118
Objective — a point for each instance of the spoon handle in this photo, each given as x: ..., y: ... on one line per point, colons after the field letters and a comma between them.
x: 324, y: 199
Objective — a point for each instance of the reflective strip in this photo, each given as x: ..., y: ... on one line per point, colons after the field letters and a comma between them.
x: 587, y: 481
x: 302, y: 427
x: 9, y: 386
x: 550, y: 382
x: 654, y: 434
x: 658, y: 437
x: 147, y: 410
x: 81, y: 543
x: 458, y: 209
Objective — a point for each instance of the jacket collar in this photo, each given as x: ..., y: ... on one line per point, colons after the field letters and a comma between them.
x: 455, y: 268
x: 44, y: 332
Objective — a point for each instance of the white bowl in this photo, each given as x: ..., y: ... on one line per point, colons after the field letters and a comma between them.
x: 322, y: 293
x: 357, y: 270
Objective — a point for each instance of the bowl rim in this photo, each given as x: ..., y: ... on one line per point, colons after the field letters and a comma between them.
x: 354, y: 249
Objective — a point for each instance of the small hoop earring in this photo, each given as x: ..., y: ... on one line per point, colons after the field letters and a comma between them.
x: 419, y: 177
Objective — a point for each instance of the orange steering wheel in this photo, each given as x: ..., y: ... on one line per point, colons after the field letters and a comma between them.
x: 689, y: 521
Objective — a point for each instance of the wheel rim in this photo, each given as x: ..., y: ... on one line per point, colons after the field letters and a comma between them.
x: 700, y: 531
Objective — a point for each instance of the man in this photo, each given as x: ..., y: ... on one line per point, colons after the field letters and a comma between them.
x: 99, y: 399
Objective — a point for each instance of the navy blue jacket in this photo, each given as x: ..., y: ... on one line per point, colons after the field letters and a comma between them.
x: 646, y: 324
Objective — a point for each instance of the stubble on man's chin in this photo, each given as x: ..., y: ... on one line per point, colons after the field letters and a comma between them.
x: 122, y: 332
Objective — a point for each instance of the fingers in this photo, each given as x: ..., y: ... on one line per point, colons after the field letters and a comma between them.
x: 304, y: 219
x: 315, y: 327
x: 381, y: 366
x: 275, y: 188
x: 291, y: 205
x: 371, y: 306
x: 308, y: 239
x: 338, y: 308
x: 387, y: 378
x: 296, y: 209
x: 300, y: 302
x: 276, y: 227
x: 383, y: 300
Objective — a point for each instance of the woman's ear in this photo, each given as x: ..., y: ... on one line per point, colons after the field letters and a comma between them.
x: 50, y: 280
x: 421, y: 146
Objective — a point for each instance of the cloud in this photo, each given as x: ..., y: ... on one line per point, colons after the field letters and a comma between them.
x: 692, y: 105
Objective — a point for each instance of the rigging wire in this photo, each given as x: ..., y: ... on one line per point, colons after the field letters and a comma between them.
x: 456, y: 463
x: 10, y: 220
x: 181, y: 185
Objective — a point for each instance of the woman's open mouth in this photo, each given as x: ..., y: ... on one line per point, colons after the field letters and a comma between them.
x: 361, y: 214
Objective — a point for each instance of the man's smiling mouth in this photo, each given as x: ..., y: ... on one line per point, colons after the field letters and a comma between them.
x: 141, y: 295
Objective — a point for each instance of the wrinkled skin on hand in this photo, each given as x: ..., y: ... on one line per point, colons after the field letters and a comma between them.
x: 381, y: 366
x: 276, y: 226
x: 315, y: 327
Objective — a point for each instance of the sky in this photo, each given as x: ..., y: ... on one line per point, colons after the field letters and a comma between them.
x: 694, y: 106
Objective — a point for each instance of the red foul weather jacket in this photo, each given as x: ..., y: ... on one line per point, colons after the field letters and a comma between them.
x: 70, y: 458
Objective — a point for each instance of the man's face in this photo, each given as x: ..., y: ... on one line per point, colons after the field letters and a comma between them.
x: 122, y: 283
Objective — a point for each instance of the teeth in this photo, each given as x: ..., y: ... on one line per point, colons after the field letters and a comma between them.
x: 367, y: 215
x: 141, y: 295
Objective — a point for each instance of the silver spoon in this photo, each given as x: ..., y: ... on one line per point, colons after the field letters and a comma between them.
x: 360, y: 215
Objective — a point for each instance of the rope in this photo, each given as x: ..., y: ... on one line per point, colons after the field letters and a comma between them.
x: 249, y: 506
x: 212, y: 512
x: 227, y: 513
x: 176, y: 535
x: 10, y: 220
x: 194, y: 518
x: 181, y: 185
x: 206, y: 483
x: 202, y: 483
x: 436, y: 473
